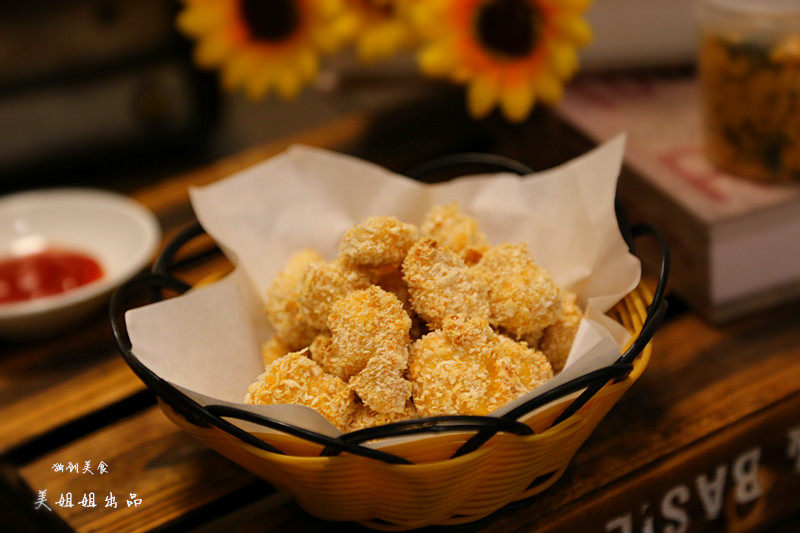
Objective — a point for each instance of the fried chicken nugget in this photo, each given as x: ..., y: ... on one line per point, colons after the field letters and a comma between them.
x: 467, y: 368
x: 517, y: 369
x: 456, y: 231
x: 273, y: 349
x: 282, y: 306
x: 376, y: 242
x: 523, y: 297
x: 322, y: 285
x: 390, y: 279
x: 366, y: 323
x: 324, y: 353
x: 440, y: 284
x: 366, y: 417
x: 370, y: 333
x: 381, y: 385
x: 558, y: 338
x: 296, y: 379
x: 444, y: 383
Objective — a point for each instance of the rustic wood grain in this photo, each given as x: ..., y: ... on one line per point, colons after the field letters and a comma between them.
x: 764, y: 430
x: 147, y: 455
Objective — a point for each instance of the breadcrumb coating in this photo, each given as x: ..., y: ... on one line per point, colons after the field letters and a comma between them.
x: 377, y: 241
x: 441, y: 284
x: 517, y: 369
x: 558, y: 338
x: 532, y: 339
x: 324, y: 353
x: 296, y: 379
x: 366, y: 323
x: 454, y: 230
x: 381, y: 385
x: 366, y: 417
x: 273, y: 349
x: 283, y: 310
x: 390, y: 279
x: 322, y: 285
x: 466, y: 368
x: 444, y: 383
x: 523, y: 297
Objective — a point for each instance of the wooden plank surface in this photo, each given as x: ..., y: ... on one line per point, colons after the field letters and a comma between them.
x: 147, y: 455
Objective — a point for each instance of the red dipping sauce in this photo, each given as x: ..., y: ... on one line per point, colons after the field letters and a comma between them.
x: 45, y: 273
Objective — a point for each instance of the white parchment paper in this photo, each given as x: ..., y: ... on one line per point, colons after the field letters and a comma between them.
x: 207, y: 342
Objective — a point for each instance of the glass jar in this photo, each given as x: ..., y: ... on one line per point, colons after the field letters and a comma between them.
x: 750, y: 84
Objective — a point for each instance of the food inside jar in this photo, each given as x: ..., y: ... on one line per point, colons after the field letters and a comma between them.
x: 751, y: 103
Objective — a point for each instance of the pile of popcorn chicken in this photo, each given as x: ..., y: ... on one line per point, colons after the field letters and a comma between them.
x: 409, y: 323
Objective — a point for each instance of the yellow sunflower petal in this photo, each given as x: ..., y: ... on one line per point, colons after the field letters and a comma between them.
x: 575, y: 6
x: 575, y: 29
x: 436, y: 60
x: 307, y: 64
x: 287, y: 82
x: 212, y: 50
x: 517, y: 101
x: 198, y: 20
x: 258, y: 84
x: 368, y: 46
x: 563, y: 59
x: 329, y: 8
x: 548, y: 87
x: 341, y: 30
x: 236, y: 71
x: 482, y: 96
x: 425, y: 17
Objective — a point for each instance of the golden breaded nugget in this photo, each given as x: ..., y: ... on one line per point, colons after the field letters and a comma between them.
x: 322, y: 285
x: 376, y: 242
x: 522, y: 297
x: 516, y: 370
x: 324, y: 353
x: 381, y: 385
x: 366, y: 417
x: 296, y: 379
x: 558, y: 338
x: 273, y: 349
x: 445, y: 384
x: 282, y: 305
x: 444, y: 366
x: 531, y: 339
x: 441, y: 284
x: 455, y: 230
x: 366, y: 323
x: 390, y: 279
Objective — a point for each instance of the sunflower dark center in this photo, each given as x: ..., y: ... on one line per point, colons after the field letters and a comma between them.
x: 509, y: 27
x: 270, y: 20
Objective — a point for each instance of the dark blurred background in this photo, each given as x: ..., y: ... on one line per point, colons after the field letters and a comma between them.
x: 98, y: 90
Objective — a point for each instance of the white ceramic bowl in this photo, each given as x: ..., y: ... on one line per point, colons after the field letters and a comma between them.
x: 116, y: 231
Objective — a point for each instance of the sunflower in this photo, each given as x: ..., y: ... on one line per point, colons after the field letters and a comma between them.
x: 510, y: 52
x: 379, y: 27
x: 262, y: 45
